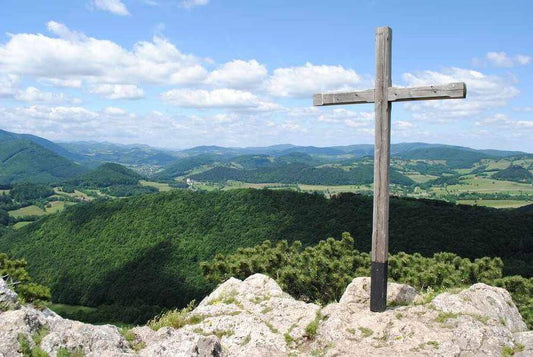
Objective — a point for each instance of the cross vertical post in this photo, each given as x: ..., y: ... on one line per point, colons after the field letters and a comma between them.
x: 382, y: 96
x: 380, y: 221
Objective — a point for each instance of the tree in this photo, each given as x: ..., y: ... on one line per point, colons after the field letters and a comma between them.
x: 14, y: 272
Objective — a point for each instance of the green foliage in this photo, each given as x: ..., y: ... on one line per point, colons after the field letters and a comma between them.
x: 14, y: 272
x: 108, y: 314
x: 27, y: 350
x: 322, y: 272
x: 367, y: 332
x: 145, y: 251
x: 29, y: 191
x: 175, y: 318
x: 312, y: 328
x: 4, y: 218
x: 514, y: 173
x: 129, y: 190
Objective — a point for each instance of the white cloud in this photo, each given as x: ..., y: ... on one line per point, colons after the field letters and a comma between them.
x: 192, y: 3
x: 114, y: 111
x: 8, y: 85
x: 522, y: 59
x: 218, y: 98
x: 501, y: 122
x: 238, y: 74
x: 118, y: 91
x: 483, y: 92
x: 61, y: 83
x: 64, y: 32
x: 501, y: 59
x: 116, y: 7
x: 76, y: 57
x: 305, y: 80
x: 34, y: 95
x: 402, y: 125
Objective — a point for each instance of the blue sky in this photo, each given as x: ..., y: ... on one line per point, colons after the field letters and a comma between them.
x: 176, y: 74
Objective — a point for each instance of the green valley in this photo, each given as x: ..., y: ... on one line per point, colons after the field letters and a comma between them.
x: 146, y: 250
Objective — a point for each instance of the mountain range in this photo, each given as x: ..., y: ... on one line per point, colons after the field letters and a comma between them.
x: 25, y: 157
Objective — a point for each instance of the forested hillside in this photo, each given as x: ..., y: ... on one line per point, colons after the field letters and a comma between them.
x: 514, y: 173
x: 22, y: 160
x: 147, y: 249
x: 107, y: 175
x: 299, y: 173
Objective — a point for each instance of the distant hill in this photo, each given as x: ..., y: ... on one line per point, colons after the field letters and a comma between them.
x: 47, y: 144
x: 123, y: 154
x: 455, y: 157
x: 358, y: 150
x: 105, y: 175
x: 182, y: 166
x: 23, y: 160
x: 298, y: 173
x: 514, y: 173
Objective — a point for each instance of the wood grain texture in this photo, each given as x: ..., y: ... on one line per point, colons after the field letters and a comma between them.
x: 382, y: 108
x: 445, y: 91
x: 366, y: 96
x: 395, y: 94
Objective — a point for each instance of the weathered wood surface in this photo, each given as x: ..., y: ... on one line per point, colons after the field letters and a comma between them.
x: 444, y: 91
x: 366, y: 96
x: 395, y: 94
x: 380, y: 227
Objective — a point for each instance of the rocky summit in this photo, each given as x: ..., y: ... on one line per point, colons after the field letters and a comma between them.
x: 255, y: 317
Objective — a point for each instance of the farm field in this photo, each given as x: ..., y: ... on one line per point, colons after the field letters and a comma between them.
x: 495, y: 203
x: 487, y: 185
x: 27, y: 211
x: 162, y: 187
x: 19, y: 225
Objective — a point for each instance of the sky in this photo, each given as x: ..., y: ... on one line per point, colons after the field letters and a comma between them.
x: 181, y: 73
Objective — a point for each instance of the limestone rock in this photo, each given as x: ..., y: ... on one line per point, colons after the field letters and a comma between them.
x: 8, y: 298
x: 358, y: 292
x: 59, y: 333
x: 256, y: 318
x: 169, y: 342
x: 479, y: 321
x: 253, y: 317
x: 483, y: 300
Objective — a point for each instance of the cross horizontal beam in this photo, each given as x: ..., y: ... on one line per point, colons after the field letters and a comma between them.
x: 395, y: 94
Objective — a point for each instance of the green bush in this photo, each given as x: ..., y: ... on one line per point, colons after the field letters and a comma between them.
x: 321, y: 272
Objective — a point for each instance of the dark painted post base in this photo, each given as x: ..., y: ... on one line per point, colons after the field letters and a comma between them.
x: 378, y: 286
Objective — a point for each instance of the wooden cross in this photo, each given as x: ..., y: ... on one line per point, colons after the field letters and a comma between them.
x: 382, y: 96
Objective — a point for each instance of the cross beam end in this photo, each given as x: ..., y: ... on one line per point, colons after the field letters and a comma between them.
x: 442, y: 91
x: 365, y: 96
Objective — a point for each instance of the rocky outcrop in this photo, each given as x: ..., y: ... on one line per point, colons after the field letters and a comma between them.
x: 255, y: 317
